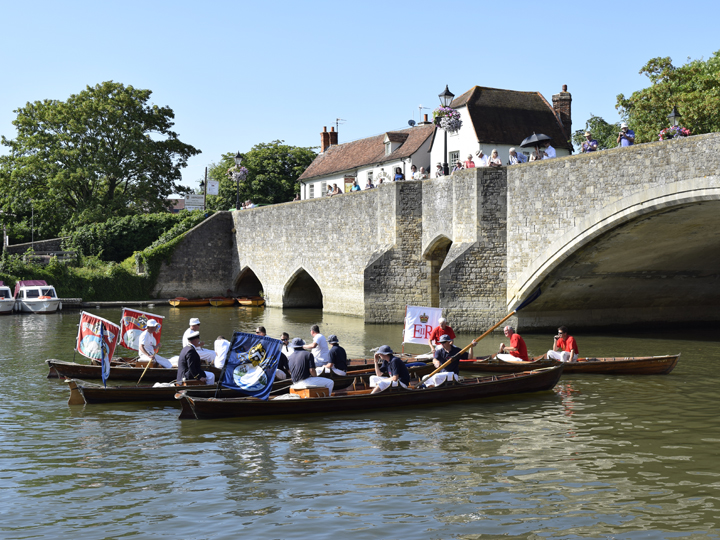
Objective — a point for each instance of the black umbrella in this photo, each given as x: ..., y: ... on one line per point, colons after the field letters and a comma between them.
x: 534, y: 140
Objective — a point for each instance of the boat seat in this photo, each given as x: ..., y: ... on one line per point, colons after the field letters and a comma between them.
x: 193, y: 383
x: 311, y: 391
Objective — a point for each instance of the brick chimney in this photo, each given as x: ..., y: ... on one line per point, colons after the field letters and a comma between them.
x: 561, y: 104
x: 324, y: 140
x: 333, y: 136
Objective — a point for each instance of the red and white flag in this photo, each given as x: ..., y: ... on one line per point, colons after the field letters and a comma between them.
x: 419, y: 322
x: 133, y: 324
x: 97, y: 337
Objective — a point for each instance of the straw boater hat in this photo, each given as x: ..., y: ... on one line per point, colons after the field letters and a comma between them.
x: 194, y: 321
x: 193, y: 335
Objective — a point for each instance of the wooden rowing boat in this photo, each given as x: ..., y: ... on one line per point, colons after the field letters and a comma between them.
x: 251, y: 301
x: 363, y: 400
x: 120, y: 370
x: 192, y: 302
x: 222, y: 301
x: 639, y: 365
x: 91, y: 393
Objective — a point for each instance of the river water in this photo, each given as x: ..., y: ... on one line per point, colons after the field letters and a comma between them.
x: 598, y: 457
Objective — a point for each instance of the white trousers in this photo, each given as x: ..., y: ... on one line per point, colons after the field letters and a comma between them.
x: 508, y: 357
x: 323, y: 369
x: 164, y: 362
x: 439, y: 378
x: 315, y: 381
x: 280, y: 375
x: 384, y: 382
x: 563, y: 356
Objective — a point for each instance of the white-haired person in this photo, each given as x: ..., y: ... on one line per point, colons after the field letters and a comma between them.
x: 442, y: 329
x: 516, y: 158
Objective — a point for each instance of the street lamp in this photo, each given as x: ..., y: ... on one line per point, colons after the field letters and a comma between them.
x: 445, y: 100
x: 674, y: 117
x: 238, y: 161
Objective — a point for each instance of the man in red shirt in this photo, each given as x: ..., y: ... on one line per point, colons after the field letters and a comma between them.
x: 442, y: 330
x: 517, y: 349
x: 564, y: 348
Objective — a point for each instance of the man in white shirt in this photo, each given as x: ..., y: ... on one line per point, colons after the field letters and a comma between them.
x: 205, y: 354
x: 148, y: 345
x: 482, y: 159
x: 549, y: 152
x: 318, y: 347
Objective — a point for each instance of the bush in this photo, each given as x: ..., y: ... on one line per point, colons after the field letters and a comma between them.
x: 118, y: 238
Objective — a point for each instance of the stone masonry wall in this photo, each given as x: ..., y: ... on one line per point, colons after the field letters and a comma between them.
x: 564, y: 196
x: 201, y: 265
x: 53, y: 244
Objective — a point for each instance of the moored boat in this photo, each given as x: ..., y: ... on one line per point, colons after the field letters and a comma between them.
x: 362, y: 400
x: 181, y: 301
x: 222, y: 301
x: 36, y: 296
x: 251, y: 301
x: 7, y: 302
x: 639, y: 365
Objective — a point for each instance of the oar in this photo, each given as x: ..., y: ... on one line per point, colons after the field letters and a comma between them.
x: 144, y: 370
x: 527, y: 301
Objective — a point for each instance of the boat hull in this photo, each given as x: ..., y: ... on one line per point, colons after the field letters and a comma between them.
x: 222, y: 302
x: 473, y: 389
x: 7, y: 306
x: 251, y: 301
x: 38, y: 305
x: 644, y: 365
x: 194, y: 302
x: 72, y: 370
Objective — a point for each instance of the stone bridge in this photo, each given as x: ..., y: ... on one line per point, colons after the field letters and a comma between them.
x: 630, y: 235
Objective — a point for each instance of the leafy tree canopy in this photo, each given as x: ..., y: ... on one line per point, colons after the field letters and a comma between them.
x: 273, y: 170
x: 103, y: 152
x: 694, y: 88
x: 605, y: 134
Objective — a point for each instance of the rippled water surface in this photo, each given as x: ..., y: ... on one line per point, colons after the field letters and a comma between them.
x: 598, y: 457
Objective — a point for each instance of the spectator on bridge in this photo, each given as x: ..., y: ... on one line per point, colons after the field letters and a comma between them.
x: 335, y: 190
x: 329, y: 191
x: 369, y: 184
x: 548, y: 152
x: 413, y: 172
x: 590, y: 144
x: 438, y: 170
x: 458, y: 167
x: 297, y: 197
x: 399, y: 176
x: 517, y: 349
x: 564, y: 348
x: 469, y: 163
x: 516, y: 158
x: 355, y: 186
x: 626, y: 137
x: 443, y: 329
x: 494, y: 160
x: 248, y: 204
x: 423, y: 175
x: 482, y: 159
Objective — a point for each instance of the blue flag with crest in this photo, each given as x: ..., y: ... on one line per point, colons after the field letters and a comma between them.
x: 251, y: 364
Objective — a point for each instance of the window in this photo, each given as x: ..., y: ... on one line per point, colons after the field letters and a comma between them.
x: 48, y: 292
x: 32, y: 293
x: 453, y: 157
x: 312, y: 191
x: 4, y: 294
x: 388, y: 148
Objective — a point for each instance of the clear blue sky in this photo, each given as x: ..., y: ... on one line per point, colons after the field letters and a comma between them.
x: 241, y: 73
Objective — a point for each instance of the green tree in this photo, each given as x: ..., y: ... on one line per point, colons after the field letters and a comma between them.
x: 104, y: 152
x: 273, y: 170
x: 605, y: 133
x: 694, y: 88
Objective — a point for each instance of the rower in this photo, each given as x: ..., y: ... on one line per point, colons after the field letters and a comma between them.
x: 302, y: 368
x: 148, y: 345
x: 395, y: 368
x: 206, y: 355
x: 338, y: 359
x: 564, y: 348
x: 447, y: 352
x: 189, y: 363
x: 517, y: 349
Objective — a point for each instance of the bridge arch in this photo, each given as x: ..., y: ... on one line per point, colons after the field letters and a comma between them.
x: 302, y: 291
x: 435, y: 254
x: 649, y: 253
x: 247, y: 283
